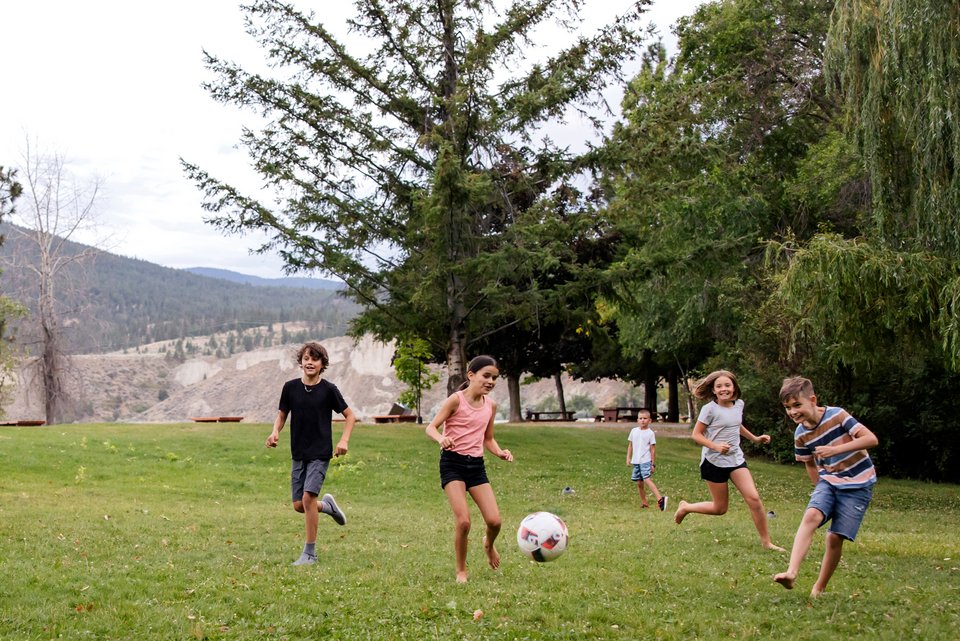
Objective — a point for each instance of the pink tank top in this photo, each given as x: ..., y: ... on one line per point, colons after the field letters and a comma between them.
x: 467, y: 425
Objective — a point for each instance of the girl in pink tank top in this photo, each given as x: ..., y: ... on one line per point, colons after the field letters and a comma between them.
x: 464, y: 428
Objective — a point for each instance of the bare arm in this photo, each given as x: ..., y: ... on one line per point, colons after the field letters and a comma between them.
x: 278, y: 424
x: 763, y: 438
x: 865, y: 440
x: 343, y: 445
x: 433, y: 428
x: 629, y: 451
x: 700, y: 438
x: 812, y: 471
x: 491, y: 443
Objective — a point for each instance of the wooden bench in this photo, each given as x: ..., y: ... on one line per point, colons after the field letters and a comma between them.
x: 394, y: 418
x: 616, y: 414
x: 550, y: 416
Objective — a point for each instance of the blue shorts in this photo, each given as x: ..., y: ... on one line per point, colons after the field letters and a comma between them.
x: 845, y: 508
x: 462, y: 467
x: 641, y: 471
x: 307, y: 476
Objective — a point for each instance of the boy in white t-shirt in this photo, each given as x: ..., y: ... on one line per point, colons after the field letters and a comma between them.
x: 642, y: 456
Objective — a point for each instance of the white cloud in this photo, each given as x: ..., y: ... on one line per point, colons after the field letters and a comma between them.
x: 115, y: 87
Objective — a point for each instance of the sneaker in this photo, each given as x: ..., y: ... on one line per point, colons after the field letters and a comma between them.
x: 335, y: 512
x: 662, y: 503
x: 305, y: 559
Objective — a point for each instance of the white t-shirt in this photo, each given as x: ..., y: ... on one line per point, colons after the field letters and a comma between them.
x: 641, y: 440
x: 723, y: 426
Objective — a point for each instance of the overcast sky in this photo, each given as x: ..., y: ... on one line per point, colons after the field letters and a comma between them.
x: 113, y: 86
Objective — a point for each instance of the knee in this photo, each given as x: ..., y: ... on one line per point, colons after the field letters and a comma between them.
x: 719, y: 508
x: 298, y: 506
x: 495, y: 523
x: 834, y: 541
x: 462, y: 526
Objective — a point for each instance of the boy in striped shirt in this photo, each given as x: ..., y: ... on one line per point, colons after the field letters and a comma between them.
x: 833, y: 447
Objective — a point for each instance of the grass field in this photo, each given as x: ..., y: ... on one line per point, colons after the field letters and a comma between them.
x: 185, y: 532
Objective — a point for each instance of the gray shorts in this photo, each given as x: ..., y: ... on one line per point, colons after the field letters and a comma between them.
x: 307, y: 476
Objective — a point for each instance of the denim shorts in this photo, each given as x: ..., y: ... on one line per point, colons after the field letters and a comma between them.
x: 844, y: 508
x: 307, y: 476
x: 462, y: 467
x: 641, y: 471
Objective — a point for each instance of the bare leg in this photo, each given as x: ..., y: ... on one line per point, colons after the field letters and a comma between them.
x: 720, y: 500
x: 484, y: 498
x: 653, y: 488
x: 311, y: 516
x: 743, y: 481
x: 811, y: 520
x: 457, y: 496
x: 831, y: 559
x: 643, y: 495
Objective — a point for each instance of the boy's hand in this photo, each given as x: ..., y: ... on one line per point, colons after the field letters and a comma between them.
x: 272, y: 439
x: 341, y: 448
x: 825, y: 451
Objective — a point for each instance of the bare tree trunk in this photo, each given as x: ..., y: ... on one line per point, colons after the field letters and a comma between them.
x: 563, y: 403
x: 513, y: 387
x: 673, y: 397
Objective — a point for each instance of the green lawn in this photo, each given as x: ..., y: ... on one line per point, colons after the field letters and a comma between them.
x: 185, y: 532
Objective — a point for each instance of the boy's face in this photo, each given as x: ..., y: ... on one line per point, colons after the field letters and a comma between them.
x: 643, y: 421
x: 310, y: 365
x: 802, y: 410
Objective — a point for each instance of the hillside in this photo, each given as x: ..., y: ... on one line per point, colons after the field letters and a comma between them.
x: 148, y: 385
x: 113, y: 302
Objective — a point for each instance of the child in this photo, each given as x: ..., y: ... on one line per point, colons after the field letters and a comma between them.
x: 467, y: 420
x: 311, y: 401
x: 833, y: 447
x: 642, y: 455
x: 718, y: 430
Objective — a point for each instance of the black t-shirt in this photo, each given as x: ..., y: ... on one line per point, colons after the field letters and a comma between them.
x: 311, y: 414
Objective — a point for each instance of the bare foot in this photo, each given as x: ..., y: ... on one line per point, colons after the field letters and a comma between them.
x: 785, y: 579
x: 462, y: 577
x: 815, y: 592
x: 774, y: 547
x: 681, y: 512
x: 492, y: 555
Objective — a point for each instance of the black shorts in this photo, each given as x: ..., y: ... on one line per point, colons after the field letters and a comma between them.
x: 462, y: 467
x: 716, y: 474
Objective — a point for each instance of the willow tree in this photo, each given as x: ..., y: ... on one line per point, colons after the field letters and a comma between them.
x: 392, y: 155
x: 896, y: 64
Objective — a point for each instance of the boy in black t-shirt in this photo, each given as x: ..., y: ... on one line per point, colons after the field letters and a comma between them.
x: 310, y: 402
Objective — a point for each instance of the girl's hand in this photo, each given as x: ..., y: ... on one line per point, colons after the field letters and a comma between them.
x: 445, y: 442
x: 763, y: 439
x: 506, y: 455
x: 722, y: 448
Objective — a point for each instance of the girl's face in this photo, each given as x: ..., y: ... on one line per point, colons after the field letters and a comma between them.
x: 484, y: 380
x: 723, y: 389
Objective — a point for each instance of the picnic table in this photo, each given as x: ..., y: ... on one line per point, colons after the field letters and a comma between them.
x: 395, y: 418
x: 616, y: 414
x: 550, y: 416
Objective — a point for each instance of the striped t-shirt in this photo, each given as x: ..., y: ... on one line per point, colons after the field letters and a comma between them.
x: 836, y: 427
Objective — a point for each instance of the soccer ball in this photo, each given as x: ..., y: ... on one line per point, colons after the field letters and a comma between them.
x: 542, y: 536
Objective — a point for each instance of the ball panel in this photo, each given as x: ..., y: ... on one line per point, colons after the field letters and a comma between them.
x: 542, y: 536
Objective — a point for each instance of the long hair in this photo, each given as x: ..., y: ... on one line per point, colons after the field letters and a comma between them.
x: 476, y: 364
x: 704, y: 388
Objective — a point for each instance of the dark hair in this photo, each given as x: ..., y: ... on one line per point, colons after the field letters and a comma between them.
x: 704, y: 388
x: 476, y: 364
x: 317, y: 352
x: 795, y: 387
